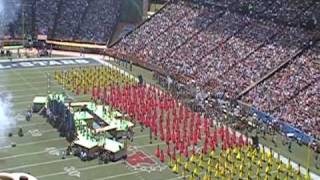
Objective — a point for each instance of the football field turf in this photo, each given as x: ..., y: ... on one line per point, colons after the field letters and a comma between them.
x: 39, y: 151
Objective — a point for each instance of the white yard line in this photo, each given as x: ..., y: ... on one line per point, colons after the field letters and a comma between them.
x: 18, y: 84
x: 42, y: 132
x: 80, y: 169
x: 98, y: 166
x: 27, y: 154
x: 37, y: 164
x: 119, y: 175
x: 39, y: 152
x: 63, y: 172
x: 14, y: 97
x: 28, y: 125
x: 33, y: 143
x: 150, y: 145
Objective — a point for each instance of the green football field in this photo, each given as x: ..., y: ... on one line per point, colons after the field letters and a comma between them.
x: 38, y: 152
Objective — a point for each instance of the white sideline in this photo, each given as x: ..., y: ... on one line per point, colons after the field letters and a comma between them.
x: 39, y: 59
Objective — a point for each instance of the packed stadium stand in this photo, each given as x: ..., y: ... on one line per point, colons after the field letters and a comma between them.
x: 73, y: 20
x: 259, y: 51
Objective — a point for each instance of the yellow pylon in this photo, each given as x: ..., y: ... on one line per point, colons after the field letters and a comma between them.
x: 171, y: 163
x: 196, y: 171
x: 206, y: 176
x: 192, y: 177
x: 187, y: 166
x: 209, y: 162
x: 210, y: 169
x: 240, y: 174
x: 211, y: 154
x: 267, y: 171
x: 216, y: 174
x: 180, y: 159
x: 238, y: 156
x: 193, y: 158
x: 202, y: 164
x: 201, y: 156
x: 175, y: 168
x: 307, y: 175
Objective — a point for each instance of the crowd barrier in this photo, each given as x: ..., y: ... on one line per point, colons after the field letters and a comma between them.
x: 284, y: 127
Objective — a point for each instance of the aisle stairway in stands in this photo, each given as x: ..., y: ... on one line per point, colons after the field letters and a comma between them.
x: 76, y: 35
x: 160, y: 34
x: 195, y: 34
x: 33, y: 17
x: 57, y: 16
x: 277, y: 69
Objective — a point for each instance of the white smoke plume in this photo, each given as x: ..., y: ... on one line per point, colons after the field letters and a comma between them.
x: 9, y: 10
x: 7, y: 120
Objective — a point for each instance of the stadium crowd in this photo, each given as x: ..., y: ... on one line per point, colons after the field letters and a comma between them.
x: 69, y: 18
x: 293, y: 93
x: 45, y: 15
x: 231, y: 51
x: 80, y: 20
x: 95, y: 26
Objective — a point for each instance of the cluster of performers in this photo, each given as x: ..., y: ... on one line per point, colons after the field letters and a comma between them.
x: 222, y: 153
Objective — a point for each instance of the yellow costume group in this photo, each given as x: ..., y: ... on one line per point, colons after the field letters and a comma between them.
x: 237, y: 163
x: 88, y: 77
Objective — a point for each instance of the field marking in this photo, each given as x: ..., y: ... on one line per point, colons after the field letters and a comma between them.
x: 24, y: 80
x: 41, y: 152
x: 15, y: 97
x: 42, y: 132
x: 119, y: 175
x: 150, y: 145
x: 27, y: 154
x: 37, y: 164
x: 11, y: 88
x: 25, y: 90
x: 26, y: 125
x: 32, y: 143
x: 63, y: 172
x: 140, y: 136
x: 80, y: 169
x: 29, y: 102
